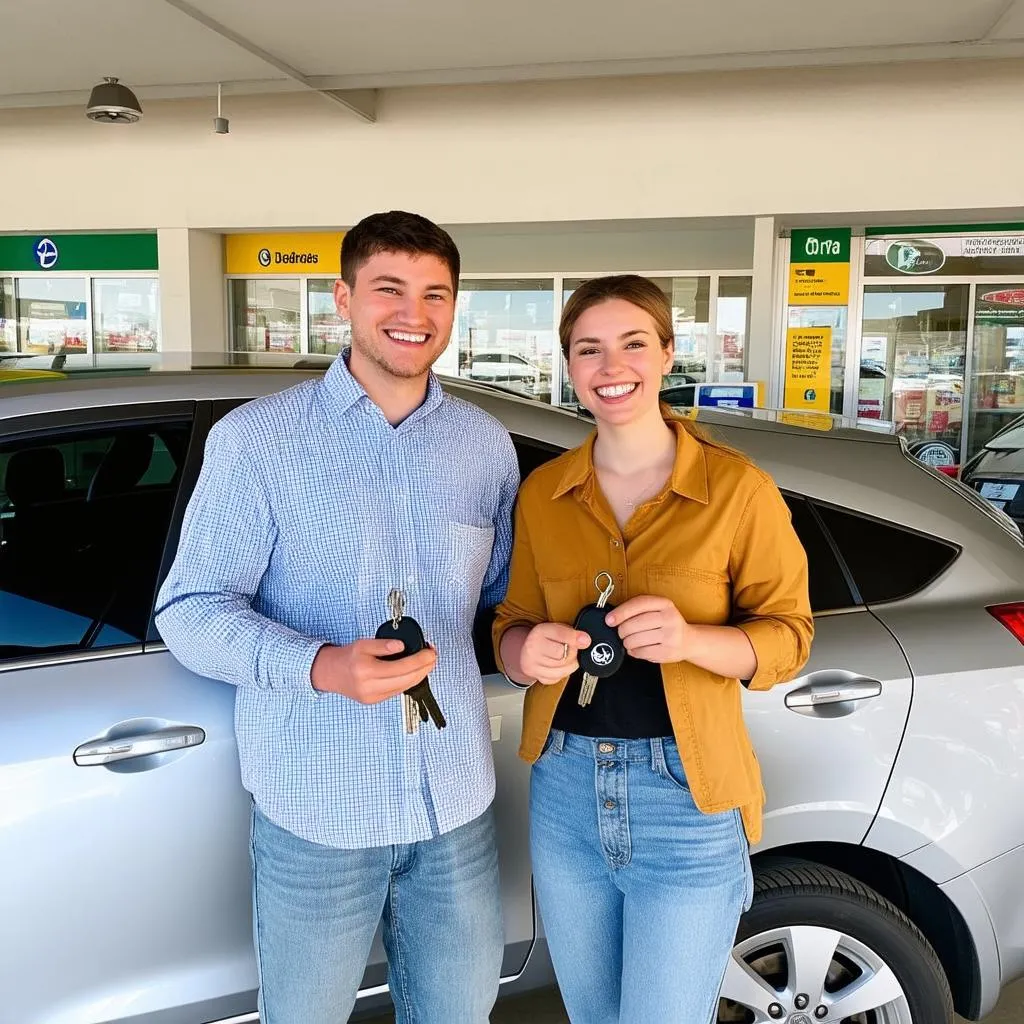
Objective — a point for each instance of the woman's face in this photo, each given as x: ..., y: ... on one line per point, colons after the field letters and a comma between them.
x: 616, y: 361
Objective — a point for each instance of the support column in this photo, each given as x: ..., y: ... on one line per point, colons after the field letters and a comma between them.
x: 193, y: 323
x: 763, y: 357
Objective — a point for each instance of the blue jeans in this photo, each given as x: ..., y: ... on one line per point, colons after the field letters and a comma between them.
x: 316, y: 909
x: 640, y: 892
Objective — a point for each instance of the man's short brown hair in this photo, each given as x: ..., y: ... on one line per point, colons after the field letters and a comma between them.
x: 397, y: 231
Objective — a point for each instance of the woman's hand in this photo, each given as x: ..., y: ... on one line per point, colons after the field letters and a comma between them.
x: 652, y: 629
x: 548, y: 653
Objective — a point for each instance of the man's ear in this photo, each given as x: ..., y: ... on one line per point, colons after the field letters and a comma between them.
x: 342, y: 296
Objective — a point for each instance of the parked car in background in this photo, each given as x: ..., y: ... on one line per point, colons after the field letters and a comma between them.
x: 997, y: 471
x: 887, y: 883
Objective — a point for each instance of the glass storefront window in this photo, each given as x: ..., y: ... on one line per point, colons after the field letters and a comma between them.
x: 835, y: 318
x: 732, y: 326
x: 8, y: 316
x: 126, y: 314
x: 913, y: 348
x: 504, y: 334
x: 328, y: 333
x: 689, y: 298
x: 265, y: 315
x: 997, y: 373
x: 52, y: 315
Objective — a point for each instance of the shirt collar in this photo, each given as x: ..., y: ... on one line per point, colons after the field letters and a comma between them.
x: 689, y: 472
x: 345, y: 391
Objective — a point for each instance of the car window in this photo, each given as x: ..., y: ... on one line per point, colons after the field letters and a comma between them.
x: 887, y: 562
x: 83, y: 520
x: 829, y: 589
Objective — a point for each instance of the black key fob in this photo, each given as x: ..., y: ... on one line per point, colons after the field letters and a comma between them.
x: 408, y: 631
x: 606, y: 652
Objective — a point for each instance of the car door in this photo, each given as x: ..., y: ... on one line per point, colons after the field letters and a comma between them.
x: 827, y: 741
x: 124, y: 881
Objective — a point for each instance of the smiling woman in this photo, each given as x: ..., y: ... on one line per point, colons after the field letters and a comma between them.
x: 711, y: 587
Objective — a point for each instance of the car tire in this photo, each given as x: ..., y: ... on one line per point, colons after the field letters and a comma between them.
x: 800, y: 904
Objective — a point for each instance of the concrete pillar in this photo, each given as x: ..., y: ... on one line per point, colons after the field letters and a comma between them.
x: 193, y: 320
x: 763, y: 356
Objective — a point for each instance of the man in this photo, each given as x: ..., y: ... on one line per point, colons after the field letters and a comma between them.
x: 312, y: 506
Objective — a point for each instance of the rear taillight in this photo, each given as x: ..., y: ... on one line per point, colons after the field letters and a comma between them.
x: 1011, y: 616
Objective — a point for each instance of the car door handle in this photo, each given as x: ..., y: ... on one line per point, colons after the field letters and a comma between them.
x: 107, y: 751
x: 832, y: 688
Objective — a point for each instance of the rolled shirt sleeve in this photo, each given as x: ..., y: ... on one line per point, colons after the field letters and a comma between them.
x: 204, y: 608
x: 768, y: 566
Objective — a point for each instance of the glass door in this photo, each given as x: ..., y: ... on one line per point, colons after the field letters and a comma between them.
x: 912, y: 364
x: 997, y: 370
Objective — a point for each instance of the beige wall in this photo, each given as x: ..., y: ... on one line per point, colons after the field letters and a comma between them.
x: 814, y: 142
x: 588, y: 247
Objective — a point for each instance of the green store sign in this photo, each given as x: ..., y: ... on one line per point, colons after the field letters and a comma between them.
x: 41, y: 253
x: 819, y: 245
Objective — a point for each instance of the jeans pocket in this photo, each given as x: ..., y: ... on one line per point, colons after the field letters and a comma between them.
x: 670, y: 765
x: 549, y: 743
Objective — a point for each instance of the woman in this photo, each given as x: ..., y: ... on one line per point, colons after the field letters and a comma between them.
x: 643, y: 801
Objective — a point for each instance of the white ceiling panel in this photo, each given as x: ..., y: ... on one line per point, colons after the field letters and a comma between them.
x: 1011, y: 25
x: 321, y: 37
x: 68, y: 45
x: 63, y: 47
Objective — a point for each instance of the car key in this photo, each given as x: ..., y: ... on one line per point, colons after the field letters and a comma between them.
x: 606, y: 652
x: 419, y: 702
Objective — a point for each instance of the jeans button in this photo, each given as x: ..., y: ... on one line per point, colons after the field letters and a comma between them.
x: 609, y: 805
x: 606, y: 748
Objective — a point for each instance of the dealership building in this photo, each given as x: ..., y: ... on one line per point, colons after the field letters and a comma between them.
x: 838, y: 224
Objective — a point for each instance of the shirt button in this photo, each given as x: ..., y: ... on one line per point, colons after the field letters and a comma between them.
x: 615, y: 543
x: 606, y: 748
x: 609, y: 805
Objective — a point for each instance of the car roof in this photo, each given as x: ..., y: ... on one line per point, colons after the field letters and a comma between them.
x: 102, y: 388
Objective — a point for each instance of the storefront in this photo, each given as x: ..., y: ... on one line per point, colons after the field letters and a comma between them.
x: 86, y: 298
x: 919, y: 327
x: 281, y: 309
x: 942, y: 336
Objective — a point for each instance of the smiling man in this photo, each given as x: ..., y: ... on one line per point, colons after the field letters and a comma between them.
x: 313, y: 505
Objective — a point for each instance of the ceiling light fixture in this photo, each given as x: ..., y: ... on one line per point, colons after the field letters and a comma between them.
x: 220, y: 124
x: 113, y: 103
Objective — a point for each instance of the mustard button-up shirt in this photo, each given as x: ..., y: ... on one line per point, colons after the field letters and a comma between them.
x: 718, y: 542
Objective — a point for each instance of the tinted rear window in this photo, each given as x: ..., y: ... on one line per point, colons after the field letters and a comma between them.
x: 887, y: 562
x: 826, y: 582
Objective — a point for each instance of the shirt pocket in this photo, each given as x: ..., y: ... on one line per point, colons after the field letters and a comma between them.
x: 702, y: 595
x: 467, y: 554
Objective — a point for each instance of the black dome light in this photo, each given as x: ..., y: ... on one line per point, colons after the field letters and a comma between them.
x: 113, y: 103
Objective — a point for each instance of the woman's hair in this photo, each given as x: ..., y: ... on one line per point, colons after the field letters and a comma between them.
x: 639, y: 291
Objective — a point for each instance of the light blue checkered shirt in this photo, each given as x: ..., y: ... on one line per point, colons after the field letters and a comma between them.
x: 310, y: 507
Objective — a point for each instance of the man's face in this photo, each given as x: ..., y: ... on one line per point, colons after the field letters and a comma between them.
x: 401, y: 310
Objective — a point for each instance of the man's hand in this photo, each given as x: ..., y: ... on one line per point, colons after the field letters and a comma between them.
x: 549, y: 651
x: 652, y: 629
x: 356, y: 670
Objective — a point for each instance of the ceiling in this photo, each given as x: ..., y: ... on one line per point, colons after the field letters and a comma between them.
x: 53, y: 51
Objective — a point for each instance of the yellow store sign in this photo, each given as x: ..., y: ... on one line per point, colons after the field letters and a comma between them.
x: 819, y: 284
x: 287, y: 254
x: 808, y: 368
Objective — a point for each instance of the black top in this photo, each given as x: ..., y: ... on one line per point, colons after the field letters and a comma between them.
x: 629, y: 705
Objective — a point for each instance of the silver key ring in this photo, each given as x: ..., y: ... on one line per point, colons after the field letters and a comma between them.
x: 396, y: 602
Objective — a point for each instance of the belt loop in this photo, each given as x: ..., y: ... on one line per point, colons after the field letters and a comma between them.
x: 658, y: 755
x: 557, y: 740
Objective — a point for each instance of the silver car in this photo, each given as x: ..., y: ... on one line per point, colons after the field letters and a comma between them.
x: 888, y: 879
